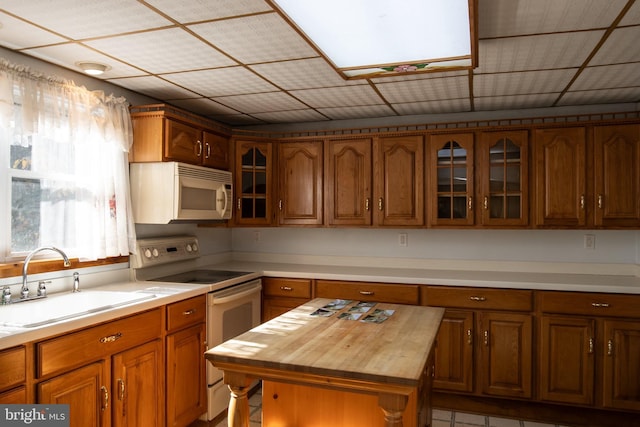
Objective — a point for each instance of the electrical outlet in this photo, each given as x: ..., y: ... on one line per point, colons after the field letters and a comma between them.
x: 403, y: 239
x: 589, y: 241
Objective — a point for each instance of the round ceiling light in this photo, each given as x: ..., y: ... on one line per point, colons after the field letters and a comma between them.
x: 93, y: 68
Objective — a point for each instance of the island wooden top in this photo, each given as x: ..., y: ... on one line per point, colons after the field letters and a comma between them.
x: 391, y: 352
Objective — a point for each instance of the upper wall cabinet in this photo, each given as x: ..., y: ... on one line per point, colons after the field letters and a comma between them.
x: 159, y: 135
x: 398, y: 167
x: 560, y: 177
x: 254, y: 182
x: 300, y: 192
x: 502, y: 168
x: 348, y: 182
x: 617, y: 175
x: 450, y: 182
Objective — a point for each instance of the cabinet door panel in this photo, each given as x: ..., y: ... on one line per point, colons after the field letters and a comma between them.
x: 567, y: 359
x: 621, y: 379
x: 253, y: 186
x: 183, y: 143
x: 138, y: 386
x: 560, y: 156
x: 300, y: 191
x: 399, y: 167
x: 506, y: 354
x: 348, y: 182
x: 454, y: 352
x: 216, y: 151
x: 86, y: 392
x: 617, y: 175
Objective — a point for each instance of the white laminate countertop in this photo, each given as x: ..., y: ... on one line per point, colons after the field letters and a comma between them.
x: 167, y: 293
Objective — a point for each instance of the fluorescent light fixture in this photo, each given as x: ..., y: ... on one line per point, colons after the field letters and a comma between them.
x: 386, y: 36
x: 93, y: 68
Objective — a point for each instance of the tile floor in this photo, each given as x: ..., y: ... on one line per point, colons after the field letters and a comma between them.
x: 441, y: 418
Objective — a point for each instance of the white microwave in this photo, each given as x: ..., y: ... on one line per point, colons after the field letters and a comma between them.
x: 174, y: 192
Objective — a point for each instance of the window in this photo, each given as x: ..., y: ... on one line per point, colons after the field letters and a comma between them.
x: 63, y: 168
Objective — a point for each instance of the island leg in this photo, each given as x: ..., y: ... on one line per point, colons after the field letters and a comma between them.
x: 393, y: 406
x: 239, y: 384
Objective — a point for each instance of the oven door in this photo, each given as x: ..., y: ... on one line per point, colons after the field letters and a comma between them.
x: 230, y: 312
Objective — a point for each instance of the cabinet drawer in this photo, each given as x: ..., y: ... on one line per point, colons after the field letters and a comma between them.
x: 187, y: 312
x: 478, y: 298
x: 366, y: 291
x: 13, y: 366
x: 294, y: 288
x: 78, y: 348
x: 589, y: 304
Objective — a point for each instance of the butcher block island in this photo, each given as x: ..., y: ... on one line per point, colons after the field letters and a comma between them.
x: 335, y: 362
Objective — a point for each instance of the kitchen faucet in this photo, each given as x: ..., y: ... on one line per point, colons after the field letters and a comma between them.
x: 25, y: 288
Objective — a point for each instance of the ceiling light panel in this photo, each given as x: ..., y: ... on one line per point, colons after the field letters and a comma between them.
x: 384, y: 32
x: 77, y: 19
x: 163, y: 51
x: 254, y: 39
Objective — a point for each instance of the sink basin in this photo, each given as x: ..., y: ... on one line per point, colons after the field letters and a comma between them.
x: 30, y: 314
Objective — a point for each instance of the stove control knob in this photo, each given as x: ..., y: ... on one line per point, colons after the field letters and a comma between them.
x: 195, y: 247
x: 147, y: 253
x: 155, y: 253
x: 189, y: 248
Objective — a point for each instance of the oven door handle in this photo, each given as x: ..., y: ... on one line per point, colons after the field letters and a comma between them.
x: 235, y: 296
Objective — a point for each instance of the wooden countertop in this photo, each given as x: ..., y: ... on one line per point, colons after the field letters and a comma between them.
x: 392, y: 352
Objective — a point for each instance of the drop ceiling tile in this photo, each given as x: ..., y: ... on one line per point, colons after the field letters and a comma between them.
x: 338, y: 96
x: 154, y: 87
x: 608, y: 77
x: 425, y: 89
x: 525, y: 82
x: 254, y: 39
x: 604, y: 96
x: 293, y: 116
x: 302, y: 74
x: 565, y: 50
x: 17, y: 34
x: 504, y: 18
x: 359, y: 112
x: 514, y: 102
x: 66, y: 55
x: 633, y: 15
x: 261, y: 102
x: 203, y: 106
x: 433, y: 107
x: 77, y: 19
x: 621, y: 46
x: 221, y: 81
x: 188, y: 11
x: 236, y: 119
x: 163, y: 51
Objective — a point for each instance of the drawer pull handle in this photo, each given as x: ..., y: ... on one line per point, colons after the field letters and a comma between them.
x: 199, y: 146
x: 105, y: 398
x: 120, y: 389
x: 286, y: 288
x: 367, y: 293
x: 610, y: 348
x: 599, y: 304
x: 189, y: 312
x: 469, y: 338
x: 590, y: 345
x: 474, y: 298
x: 111, y: 338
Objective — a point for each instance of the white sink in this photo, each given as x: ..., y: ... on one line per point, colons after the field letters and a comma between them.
x: 30, y: 314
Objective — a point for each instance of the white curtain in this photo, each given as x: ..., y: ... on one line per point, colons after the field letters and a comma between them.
x: 69, y: 146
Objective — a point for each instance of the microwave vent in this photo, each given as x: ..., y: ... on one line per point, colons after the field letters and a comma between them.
x: 204, y: 173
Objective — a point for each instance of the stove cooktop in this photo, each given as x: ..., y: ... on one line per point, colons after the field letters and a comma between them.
x: 203, y: 277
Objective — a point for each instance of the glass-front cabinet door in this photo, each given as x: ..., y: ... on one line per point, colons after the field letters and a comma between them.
x: 253, y: 183
x: 503, y: 170
x: 451, y: 179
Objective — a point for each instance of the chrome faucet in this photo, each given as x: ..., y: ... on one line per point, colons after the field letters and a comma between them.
x: 24, y: 293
